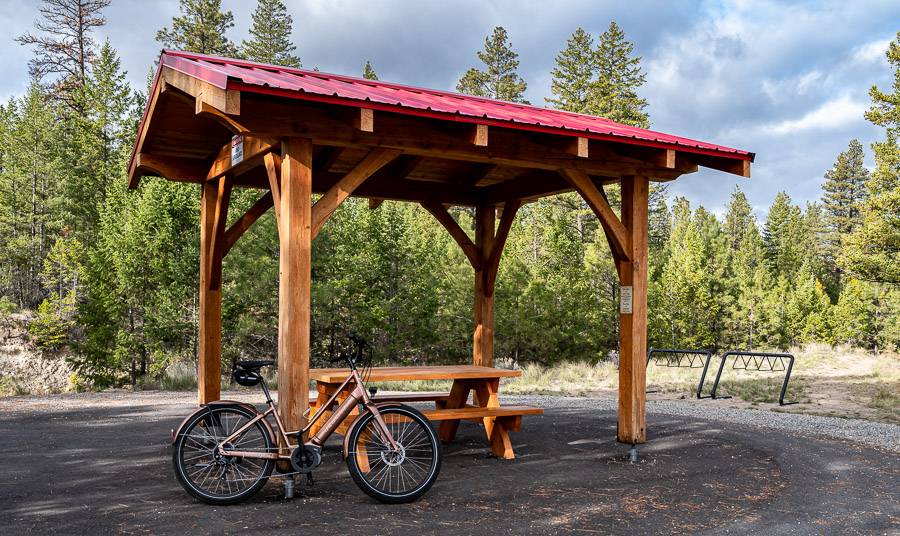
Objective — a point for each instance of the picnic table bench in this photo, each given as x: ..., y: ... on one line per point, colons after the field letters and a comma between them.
x: 450, y: 407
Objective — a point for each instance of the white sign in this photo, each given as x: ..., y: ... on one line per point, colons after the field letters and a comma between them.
x: 237, y: 150
x: 626, y: 296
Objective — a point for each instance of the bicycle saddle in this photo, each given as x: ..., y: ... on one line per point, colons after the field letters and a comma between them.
x: 254, y: 364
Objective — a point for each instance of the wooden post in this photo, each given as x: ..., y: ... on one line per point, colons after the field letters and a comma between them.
x: 633, y: 325
x: 295, y: 263
x: 483, y: 347
x: 209, y: 362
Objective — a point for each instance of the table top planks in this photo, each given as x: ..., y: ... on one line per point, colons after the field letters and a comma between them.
x: 447, y: 372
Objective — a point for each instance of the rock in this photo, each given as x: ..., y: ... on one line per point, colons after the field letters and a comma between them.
x: 25, y: 368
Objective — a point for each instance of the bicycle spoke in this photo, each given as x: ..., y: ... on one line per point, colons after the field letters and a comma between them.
x: 396, y: 472
x: 225, y: 475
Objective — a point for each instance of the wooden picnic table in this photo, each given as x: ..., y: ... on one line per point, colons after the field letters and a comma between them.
x: 451, y: 407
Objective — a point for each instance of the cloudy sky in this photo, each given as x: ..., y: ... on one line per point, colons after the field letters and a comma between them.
x: 788, y: 81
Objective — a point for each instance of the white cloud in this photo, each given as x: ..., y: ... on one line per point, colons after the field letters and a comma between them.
x: 832, y: 114
x: 871, y: 51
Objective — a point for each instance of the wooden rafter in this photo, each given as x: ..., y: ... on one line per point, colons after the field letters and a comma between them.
x: 171, y: 168
x: 476, y: 173
x: 255, y: 148
x: 273, y: 172
x: 217, y: 242
x: 331, y: 200
x: 510, y: 208
x: 226, y: 100
x: 443, y: 216
x: 599, y: 205
x: 421, y: 137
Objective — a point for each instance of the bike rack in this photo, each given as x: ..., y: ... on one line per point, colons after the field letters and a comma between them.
x: 677, y: 357
x: 759, y: 361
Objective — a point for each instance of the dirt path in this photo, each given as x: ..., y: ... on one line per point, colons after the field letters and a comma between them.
x: 100, y: 464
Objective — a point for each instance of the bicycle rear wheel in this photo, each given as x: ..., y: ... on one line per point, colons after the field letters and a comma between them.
x: 221, y: 479
x: 388, y: 475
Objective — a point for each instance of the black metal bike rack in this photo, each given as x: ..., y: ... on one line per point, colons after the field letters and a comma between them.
x: 678, y: 357
x: 759, y: 361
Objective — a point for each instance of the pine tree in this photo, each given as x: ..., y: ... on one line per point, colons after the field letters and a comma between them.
x: 65, y: 48
x: 369, y: 71
x: 270, y: 30
x: 782, y: 236
x: 29, y: 191
x: 200, y: 28
x: 873, y: 250
x: 854, y: 316
x: 619, y: 76
x: 573, y: 74
x: 844, y: 191
x: 101, y: 143
x: 499, y: 80
x: 738, y: 218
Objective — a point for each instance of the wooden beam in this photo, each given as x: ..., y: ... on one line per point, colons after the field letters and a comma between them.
x: 479, y: 134
x: 483, y: 338
x: 476, y: 174
x: 170, y: 167
x: 225, y: 100
x: 209, y: 337
x: 238, y: 228
x: 205, y: 109
x: 365, y: 120
x: 273, y: 172
x: 328, y: 203
x: 441, y: 214
x: 325, y: 157
x: 740, y: 168
x: 254, y: 149
x: 295, y: 262
x: 374, y: 203
x: 633, y: 316
x: 134, y: 173
x: 507, y: 217
x: 597, y: 201
x: 424, y: 137
x: 415, y: 191
x: 217, y: 243
x: 578, y: 147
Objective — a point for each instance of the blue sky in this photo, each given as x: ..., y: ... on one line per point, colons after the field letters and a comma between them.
x: 787, y: 80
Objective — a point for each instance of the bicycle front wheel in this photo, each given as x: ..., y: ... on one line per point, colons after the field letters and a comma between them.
x: 215, y: 478
x: 394, y: 475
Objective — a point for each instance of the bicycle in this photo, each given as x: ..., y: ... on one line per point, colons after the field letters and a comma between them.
x: 226, y: 451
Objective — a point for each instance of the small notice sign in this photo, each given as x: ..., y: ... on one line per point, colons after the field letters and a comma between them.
x: 626, y: 296
x: 237, y: 150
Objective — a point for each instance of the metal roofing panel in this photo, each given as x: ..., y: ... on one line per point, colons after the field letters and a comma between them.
x: 302, y: 84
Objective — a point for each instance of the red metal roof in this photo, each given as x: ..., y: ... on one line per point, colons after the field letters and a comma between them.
x: 252, y: 77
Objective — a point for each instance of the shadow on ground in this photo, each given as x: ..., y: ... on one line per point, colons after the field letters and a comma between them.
x: 100, y: 470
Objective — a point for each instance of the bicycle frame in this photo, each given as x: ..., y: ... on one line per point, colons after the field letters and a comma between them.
x: 357, y: 395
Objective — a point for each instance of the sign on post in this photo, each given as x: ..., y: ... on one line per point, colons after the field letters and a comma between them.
x: 626, y: 295
x: 237, y: 150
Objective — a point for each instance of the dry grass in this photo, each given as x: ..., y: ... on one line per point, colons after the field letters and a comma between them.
x: 839, y: 381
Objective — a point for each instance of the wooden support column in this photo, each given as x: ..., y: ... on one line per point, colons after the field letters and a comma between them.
x: 489, y: 245
x: 633, y: 325
x: 295, y: 260
x: 209, y: 340
x: 483, y: 347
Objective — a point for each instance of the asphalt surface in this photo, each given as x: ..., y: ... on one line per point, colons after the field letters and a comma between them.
x: 78, y: 465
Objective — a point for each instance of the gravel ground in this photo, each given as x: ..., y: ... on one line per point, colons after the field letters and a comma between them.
x: 881, y: 435
x: 101, y: 464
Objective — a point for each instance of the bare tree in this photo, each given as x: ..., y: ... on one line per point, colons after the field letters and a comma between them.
x: 64, y: 48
